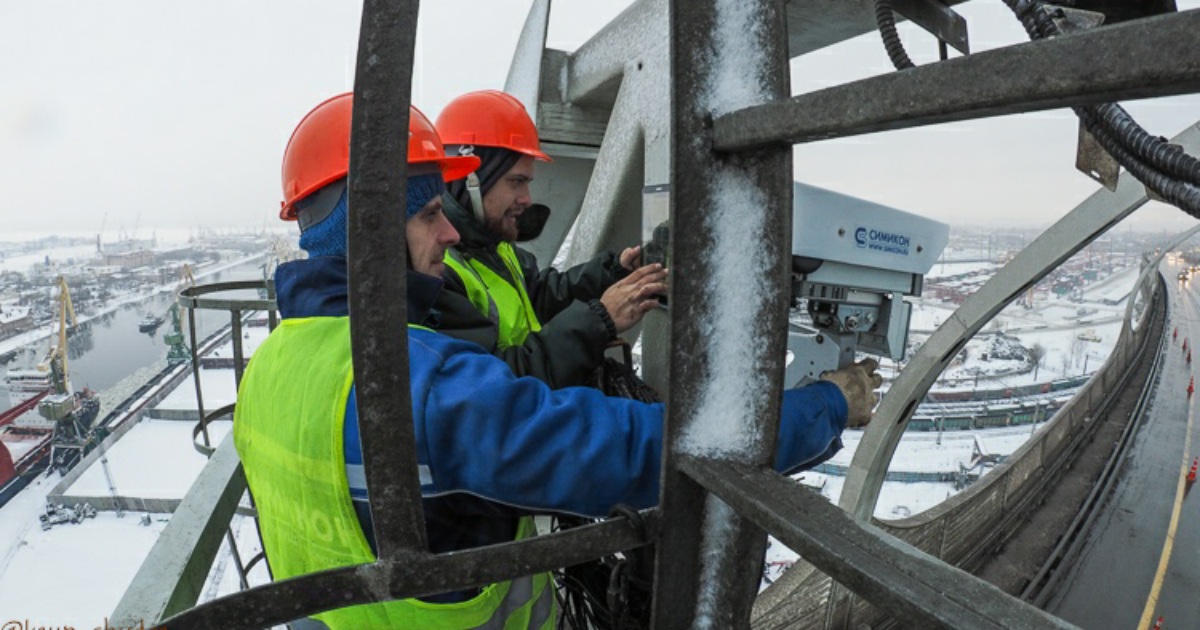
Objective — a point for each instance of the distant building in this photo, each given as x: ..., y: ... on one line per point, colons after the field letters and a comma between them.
x: 14, y: 319
x: 129, y: 260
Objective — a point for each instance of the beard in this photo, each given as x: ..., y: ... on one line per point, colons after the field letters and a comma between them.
x: 503, y: 228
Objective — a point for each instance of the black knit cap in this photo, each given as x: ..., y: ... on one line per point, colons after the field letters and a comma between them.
x: 494, y: 163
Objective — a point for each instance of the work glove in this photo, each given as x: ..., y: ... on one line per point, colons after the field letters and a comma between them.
x: 858, y: 383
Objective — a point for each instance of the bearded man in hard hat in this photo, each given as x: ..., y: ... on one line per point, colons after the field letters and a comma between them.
x: 492, y: 448
x: 543, y: 323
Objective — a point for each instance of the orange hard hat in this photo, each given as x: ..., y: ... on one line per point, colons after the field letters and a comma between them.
x: 490, y: 118
x: 318, y: 152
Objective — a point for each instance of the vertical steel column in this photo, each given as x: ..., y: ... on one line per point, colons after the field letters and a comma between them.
x: 196, y: 374
x: 724, y: 55
x: 272, y: 313
x: 239, y: 356
x: 235, y: 335
x: 377, y: 254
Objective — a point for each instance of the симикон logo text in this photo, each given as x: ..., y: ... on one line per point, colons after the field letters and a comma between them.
x: 880, y: 241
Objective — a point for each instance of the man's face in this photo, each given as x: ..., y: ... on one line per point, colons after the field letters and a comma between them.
x: 508, y: 199
x: 429, y: 233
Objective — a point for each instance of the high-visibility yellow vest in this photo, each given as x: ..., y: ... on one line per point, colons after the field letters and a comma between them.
x: 288, y: 431
x: 506, y: 305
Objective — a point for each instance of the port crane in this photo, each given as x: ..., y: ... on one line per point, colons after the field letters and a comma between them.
x: 177, y: 350
x: 56, y: 358
x: 73, y: 412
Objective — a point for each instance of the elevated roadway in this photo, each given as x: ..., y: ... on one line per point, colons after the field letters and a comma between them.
x: 1141, y: 559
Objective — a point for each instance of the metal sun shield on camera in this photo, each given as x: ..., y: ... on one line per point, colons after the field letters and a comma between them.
x: 853, y: 261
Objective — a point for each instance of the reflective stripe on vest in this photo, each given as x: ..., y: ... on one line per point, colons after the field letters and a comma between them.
x: 288, y: 432
x: 507, y: 306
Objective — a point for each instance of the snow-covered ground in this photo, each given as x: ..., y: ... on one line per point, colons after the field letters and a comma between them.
x: 133, y: 297
x: 930, y: 452
x: 1077, y: 337
x: 154, y: 446
x: 90, y: 565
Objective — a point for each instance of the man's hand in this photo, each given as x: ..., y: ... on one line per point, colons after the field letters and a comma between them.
x: 858, y: 383
x: 634, y: 295
x: 631, y: 257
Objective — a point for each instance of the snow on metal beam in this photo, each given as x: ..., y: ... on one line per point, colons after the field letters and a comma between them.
x: 728, y: 305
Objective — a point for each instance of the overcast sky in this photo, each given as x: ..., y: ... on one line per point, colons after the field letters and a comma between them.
x: 168, y: 115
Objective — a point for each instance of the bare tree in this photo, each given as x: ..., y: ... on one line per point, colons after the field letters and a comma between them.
x: 1076, y: 350
x: 1037, y: 354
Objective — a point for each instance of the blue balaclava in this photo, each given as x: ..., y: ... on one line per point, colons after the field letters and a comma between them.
x: 327, y: 236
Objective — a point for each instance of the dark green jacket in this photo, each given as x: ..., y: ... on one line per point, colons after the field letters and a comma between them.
x: 575, y: 326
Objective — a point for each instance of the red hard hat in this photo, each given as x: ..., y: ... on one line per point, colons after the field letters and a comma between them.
x: 318, y: 152
x: 490, y: 118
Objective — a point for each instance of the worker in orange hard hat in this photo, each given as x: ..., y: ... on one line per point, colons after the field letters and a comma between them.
x: 315, y: 165
x: 544, y: 323
x: 492, y: 449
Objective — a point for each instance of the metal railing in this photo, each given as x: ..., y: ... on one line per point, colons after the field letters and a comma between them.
x: 728, y: 149
x: 177, y: 566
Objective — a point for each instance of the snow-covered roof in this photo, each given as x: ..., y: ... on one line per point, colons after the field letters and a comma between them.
x: 13, y: 313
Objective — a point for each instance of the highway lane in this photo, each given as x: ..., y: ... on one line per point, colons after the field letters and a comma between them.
x: 1130, y: 559
x: 1178, y: 579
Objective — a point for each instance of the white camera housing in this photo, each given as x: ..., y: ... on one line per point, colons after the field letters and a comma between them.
x: 853, y: 261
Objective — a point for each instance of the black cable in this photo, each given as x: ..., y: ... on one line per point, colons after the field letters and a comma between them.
x: 1174, y: 191
x: 885, y: 19
x: 1163, y: 156
x: 1165, y: 168
x: 1161, y: 160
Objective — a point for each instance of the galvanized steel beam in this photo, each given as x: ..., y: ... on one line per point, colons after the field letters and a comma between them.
x: 913, y: 587
x: 811, y: 25
x: 594, y: 70
x: 377, y: 254
x: 1139, y: 59
x: 724, y: 395
x: 172, y: 576
x: 611, y: 213
x: 939, y: 19
x: 524, y: 74
x: 815, y: 24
